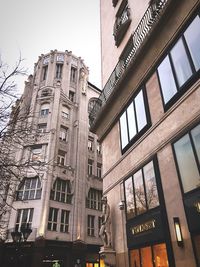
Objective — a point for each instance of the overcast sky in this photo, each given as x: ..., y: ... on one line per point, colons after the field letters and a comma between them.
x: 34, y: 27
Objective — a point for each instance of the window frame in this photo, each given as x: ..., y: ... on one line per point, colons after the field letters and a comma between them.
x: 148, y: 119
x: 20, y: 214
x: 52, y: 224
x: 57, y: 191
x: 59, y: 70
x: 64, y: 221
x: 90, y: 167
x: 24, y: 190
x: 93, y: 200
x: 91, y: 225
x: 195, y: 73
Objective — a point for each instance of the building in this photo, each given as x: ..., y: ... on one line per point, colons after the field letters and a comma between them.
x: 59, y: 197
x: 147, y: 119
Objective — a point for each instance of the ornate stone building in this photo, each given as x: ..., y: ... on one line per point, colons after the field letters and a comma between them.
x: 61, y: 201
x: 147, y: 119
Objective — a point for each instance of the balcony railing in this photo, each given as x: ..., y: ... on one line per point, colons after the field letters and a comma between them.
x: 147, y: 23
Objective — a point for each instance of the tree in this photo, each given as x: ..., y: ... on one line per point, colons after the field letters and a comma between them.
x: 16, y: 129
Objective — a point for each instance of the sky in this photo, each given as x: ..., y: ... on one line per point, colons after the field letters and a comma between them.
x: 34, y: 27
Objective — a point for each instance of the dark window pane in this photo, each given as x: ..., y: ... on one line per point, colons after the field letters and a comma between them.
x: 192, y: 36
x: 139, y: 193
x: 123, y: 128
x: 181, y: 63
x: 167, y: 81
x: 151, y: 187
x: 140, y: 111
x: 187, y: 165
x: 130, y: 203
x: 131, y: 121
x: 196, y: 138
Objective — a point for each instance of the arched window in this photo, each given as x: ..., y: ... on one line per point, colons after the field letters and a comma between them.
x: 61, y: 191
x: 30, y: 188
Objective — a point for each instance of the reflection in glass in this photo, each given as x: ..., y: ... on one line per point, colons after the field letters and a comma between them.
x: 135, y: 258
x: 130, y: 203
x: 151, y: 187
x: 140, y: 111
x: 187, y: 165
x: 168, y: 85
x: 123, y: 128
x: 192, y: 36
x: 196, y: 139
x: 139, y: 193
x: 181, y: 63
x: 160, y: 255
x: 146, y: 257
x: 131, y: 121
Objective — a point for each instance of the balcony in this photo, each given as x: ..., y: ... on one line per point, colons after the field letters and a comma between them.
x: 141, y: 34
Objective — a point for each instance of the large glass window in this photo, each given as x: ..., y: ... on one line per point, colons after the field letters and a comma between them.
x: 187, y: 157
x: 30, y: 188
x: 151, y: 256
x: 90, y: 225
x: 64, y: 222
x: 141, y: 191
x: 24, y: 219
x: 133, y: 120
x: 192, y: 36
x: 182, y: 62
x: 52, y: 221
x: 61, y: 191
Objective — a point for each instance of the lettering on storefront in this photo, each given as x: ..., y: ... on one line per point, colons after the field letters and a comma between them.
x: 197, y: 206
x: 143, y: 227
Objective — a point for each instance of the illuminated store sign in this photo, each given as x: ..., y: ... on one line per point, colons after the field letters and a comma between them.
x: 143, y: 227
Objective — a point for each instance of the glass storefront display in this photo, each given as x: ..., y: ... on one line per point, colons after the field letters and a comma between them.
x: 151, y: 256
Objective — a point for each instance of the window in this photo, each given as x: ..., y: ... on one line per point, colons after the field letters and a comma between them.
x: 99, y: 170
x: 52, y: 220
x: 73, y: 75
x: 61, y: 157
x: 94, y: 199
x: 36, y: 153
x: 30, y: 188
x: 64, y: 222
x: 71, y: 96
x: 90, y: 167
x: 99, y: 223
x: 65, y: 112
x: 122, y: 22
x: 44, y: 72
x: 61, y: 191
x: 90, y: 144
x: 149, y: 256
x: 24, y: 219
x: 133, y: 120
x: 60, y: 58
x: 98, y: 148
x: 63, y: 133
x: 90, y: 225
x: 59, y: 71
x: 42, y: 128
x: 181, y: 63
x: 44, y: 111
x: 187, y: 154
x: 141, y: 191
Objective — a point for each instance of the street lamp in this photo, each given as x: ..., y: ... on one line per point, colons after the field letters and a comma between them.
x: 21, y: 236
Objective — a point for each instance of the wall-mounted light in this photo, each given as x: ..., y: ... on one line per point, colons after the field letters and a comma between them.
x: 178, y: 232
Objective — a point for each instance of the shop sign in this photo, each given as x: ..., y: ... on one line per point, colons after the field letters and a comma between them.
x: 143, y: 227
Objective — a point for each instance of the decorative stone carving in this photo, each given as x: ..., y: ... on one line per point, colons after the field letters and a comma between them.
x: 105, y: 232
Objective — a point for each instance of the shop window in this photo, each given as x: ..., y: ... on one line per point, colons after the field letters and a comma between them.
x: 30, y: 188
x: 44, y: 111
x: 151, y: 256
x: 61, y: 191
x: 63, y: 136
x: 99, y: 166
x: 90, y: 167
x: 141, y: 191
x: 24, y: 219
x: 59, y: 68
x: 52, y: 220
x: 61, y: 157
x: 133, y: 120
x: 181, y: 64
x: 187, y: 154
x: 90, y: 225
x: 64, y: 222
x: 94, y: 199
